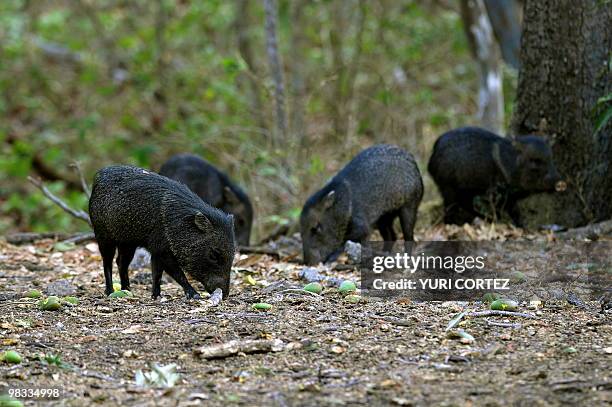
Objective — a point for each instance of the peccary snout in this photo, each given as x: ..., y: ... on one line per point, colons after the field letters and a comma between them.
x: 324, y: 225
x: 535, y: 165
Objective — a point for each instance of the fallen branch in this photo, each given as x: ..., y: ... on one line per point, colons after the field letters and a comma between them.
x: 592, y: 232
x: 29, y: 237
x: 394, y: 321
x: 235, y: 347
x: 299, y: 291
x: 200, y: 321
x: 80, y: 238
x: 258, y: 250
x: 503, y: 313
x: 504, y: 324
x: 79, y: 214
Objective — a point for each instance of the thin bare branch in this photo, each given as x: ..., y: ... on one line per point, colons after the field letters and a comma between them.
x: 503, y: 313
x: 79, y: 214
x: 77, y: 166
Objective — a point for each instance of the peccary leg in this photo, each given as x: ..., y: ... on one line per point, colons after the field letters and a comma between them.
x: 408, y: 216
x: 174, y: 270
x: 452, y: 208
x: 385, y: 226
x: 124, y: 258
x: 157, y: 270
x: 107, y: 251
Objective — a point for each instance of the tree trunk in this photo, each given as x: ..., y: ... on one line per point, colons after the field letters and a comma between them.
x: 565, y: 68
x: 486, y: 51
x: 277, y: 73
x: 504, y: 16
x: 245, y: 47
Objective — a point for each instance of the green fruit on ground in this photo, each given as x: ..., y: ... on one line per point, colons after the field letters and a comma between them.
x: 71, y: 300
x: 116, y: 287
x: 314, y: 288
x: 352, y: 298
x: 51, y: 303
x: 262, y: 306
x: 504, y: 305
x: 120, y: 294
x: 32, y: 294
x: 347, y: 286
x: 10, y: 356
x: 6, y: 401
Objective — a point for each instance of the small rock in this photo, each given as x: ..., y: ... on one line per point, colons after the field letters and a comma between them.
x: 353, y: 251
x: 60, y: 288
x: 311, y: 275
x: 142, y: 259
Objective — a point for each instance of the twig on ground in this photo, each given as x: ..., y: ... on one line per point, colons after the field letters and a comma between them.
x: 299, y: 291
x: 504, y: 324
x: 199, y: 321
x: 258, y: 250
x: 77, y: 166
x: 496, y: 312
x: 232, y: 348
x: 80, y: 238
x: 29, y: 237
x: 79, y: 214
x: 394, y: 321
x: 592, y: 232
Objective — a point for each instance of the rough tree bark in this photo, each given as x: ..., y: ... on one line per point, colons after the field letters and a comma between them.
x: 242, y: 24
x: 276, y: 71
x: 486, y: 51
x: 565, y: 68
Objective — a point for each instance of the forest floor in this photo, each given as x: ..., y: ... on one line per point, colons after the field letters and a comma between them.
x: 375, y: 352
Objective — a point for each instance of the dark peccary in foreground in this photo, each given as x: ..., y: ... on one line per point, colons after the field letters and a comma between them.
x: 471, y: 163
x: 381, y: 183
x: 131, y: 207
x: 215, y: 188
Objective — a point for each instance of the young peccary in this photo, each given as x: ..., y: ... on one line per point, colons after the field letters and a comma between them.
x: 131, y: 207
x: 381, y: 183
x: 470, y: 162
x: 215, y: 188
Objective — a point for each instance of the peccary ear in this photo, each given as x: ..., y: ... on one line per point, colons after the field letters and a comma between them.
x: 230, y: 196
x: 202, y: 222
x: 329, y: 199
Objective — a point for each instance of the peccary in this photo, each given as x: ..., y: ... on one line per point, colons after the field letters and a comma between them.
x: 215, y: 188
x: 131, y: 207
x: 381, y: 183
x: 472, y: 165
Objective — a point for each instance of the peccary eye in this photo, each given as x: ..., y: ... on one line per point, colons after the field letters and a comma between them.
x: 316, y: 229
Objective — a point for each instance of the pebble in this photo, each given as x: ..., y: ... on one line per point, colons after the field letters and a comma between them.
x: 60, y: 288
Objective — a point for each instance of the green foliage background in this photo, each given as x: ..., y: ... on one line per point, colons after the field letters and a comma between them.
x: 117, y: 81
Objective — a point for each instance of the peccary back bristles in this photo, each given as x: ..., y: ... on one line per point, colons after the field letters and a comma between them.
x: 472, y: 165
x: 215, y: 188
x: 131, y: 207
x: 381, y: 183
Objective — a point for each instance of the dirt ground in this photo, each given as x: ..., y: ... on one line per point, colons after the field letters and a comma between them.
x: 375, y: 352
